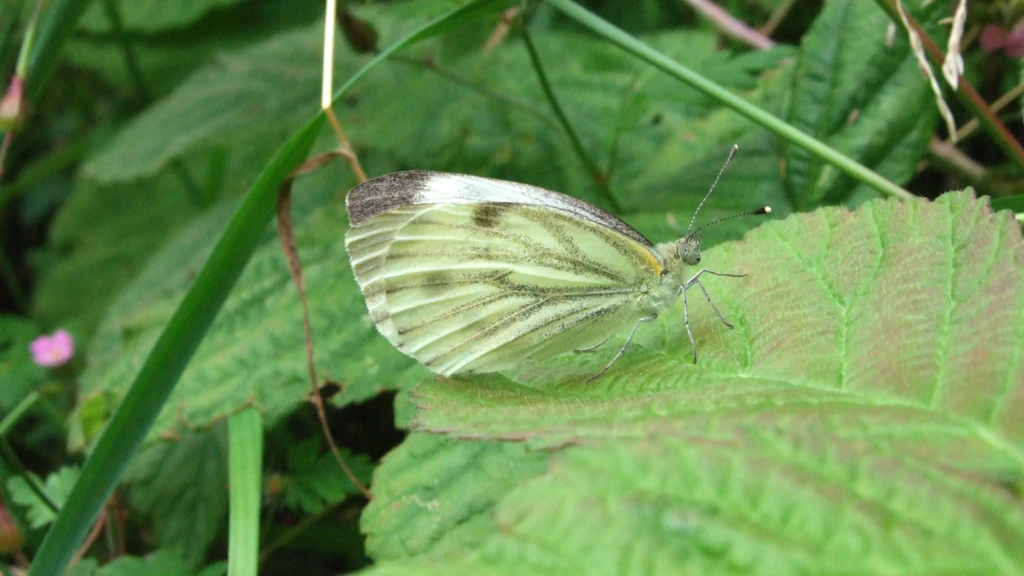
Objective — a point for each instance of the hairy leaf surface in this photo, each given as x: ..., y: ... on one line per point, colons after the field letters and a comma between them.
x: 864, y: 416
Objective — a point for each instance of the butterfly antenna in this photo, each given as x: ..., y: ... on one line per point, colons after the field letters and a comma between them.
x: 732, y: 153
x: 758, y: 212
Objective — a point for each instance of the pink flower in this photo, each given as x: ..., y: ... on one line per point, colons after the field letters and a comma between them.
x: 995, y: 38
x: 53, y: 350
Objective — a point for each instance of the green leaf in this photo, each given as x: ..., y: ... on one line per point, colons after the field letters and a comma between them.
x: 236, y: 104
x: 19, y: 374
x: 187, y: 326
x: 95, y: 251
x: 242, y: 102
x: 57, y: 486
x: 163, y: 562
x: 434, y: 493
x: 851, y: 91
x: 314, y: 481
x: 181, y: 484
x: 254, y: 352
x: 84, y: 567
x: 621, y: 110
x: 861, y: 418
x: 148, y: 16
x: 1012, y: 203
x: 166, y: 52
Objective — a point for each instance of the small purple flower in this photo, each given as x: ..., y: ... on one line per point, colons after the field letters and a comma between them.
x: 53, y: 350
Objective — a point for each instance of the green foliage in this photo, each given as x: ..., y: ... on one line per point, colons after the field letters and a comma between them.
x: 57, y: 486
x: 19, y: 375
x: 181, y: 484
x: 819, y: 436
x: 150, y: 15
x: 235, y: 100
x: 163, y: 562
x: 314, y: 481
x: 94, y: 251
x: 437, y: 493
x: 230, y: 370
x: 226, y: 375
x: 851, y: 89
x: 860, y: 418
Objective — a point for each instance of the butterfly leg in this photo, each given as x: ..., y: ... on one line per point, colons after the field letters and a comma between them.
x: 715, y: 308
x: 686, y: 322
x: 623, y: 349
x: 594, y: 347
x: 686, y: 312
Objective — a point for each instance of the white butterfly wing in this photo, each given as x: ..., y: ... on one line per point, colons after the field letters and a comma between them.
x: 464, y: 275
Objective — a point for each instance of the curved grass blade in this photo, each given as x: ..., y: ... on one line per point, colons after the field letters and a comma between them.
x: 179, y: 340
x: 56, y: 26
x: 816, y: 147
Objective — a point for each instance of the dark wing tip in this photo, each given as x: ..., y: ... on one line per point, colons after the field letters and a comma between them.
x: 385, y: 193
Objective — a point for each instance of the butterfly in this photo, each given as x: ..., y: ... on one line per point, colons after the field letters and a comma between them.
x: 469, y: 274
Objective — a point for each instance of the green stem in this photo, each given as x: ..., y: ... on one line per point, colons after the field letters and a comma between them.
x: 776, y: 17
x: 195, y: 194
x: 478, y: 88
x: 785, y: 131
x: 245, y: 470
x: 126, y: 48
x: 21, y: 68
x: 48, y: 166
x: 596, y: 175
x: 15, y: 415
x: 60, y: 22
x: 613, y: 152
x: 296, y: 530
x: 10, y: 457
x: 10, y: 29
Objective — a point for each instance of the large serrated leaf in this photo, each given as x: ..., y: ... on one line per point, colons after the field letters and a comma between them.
x: 851, y: 91
x: 433, y: 492
x: 863, y: 417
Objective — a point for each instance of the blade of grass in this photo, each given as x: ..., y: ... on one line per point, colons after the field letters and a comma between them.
x: 453, y: 19
x: 7, y: 37
x: 245, y: 470
x: 55, y: 27
x: 637, y: 48
x: 1012, y: 203
x: 14, y: 416
x: 171, y: 353
x: 186, y: 328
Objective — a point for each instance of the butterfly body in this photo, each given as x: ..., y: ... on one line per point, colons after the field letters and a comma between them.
x: 470, y: 274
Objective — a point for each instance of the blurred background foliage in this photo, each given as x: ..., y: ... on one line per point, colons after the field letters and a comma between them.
x: 159, y: 116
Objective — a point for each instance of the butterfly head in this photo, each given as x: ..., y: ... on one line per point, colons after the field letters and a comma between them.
x: 688, y: 249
